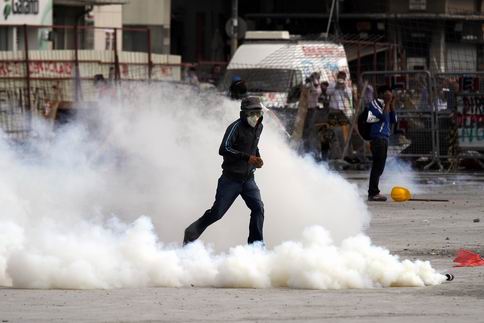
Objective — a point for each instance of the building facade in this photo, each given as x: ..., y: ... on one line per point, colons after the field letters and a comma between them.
x: 152, y: 15
x: 62, y: 13
x: 96, y: 21
x: 436, y: 35
x: 17, y: 12
x: 439, y: 35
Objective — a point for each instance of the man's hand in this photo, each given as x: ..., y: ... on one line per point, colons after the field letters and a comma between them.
x: 387, y: 98
x: 256, y: 161
x: 392, y: 103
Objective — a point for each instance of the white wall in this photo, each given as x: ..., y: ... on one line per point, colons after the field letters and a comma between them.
x: 152, y: 14
x: 109, y: 17
x: 456, y: 6
x: 461, y: 57
x: 147, y: 12
x: 42, y: 17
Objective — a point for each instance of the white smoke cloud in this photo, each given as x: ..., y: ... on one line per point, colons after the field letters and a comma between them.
x: 104, y: 205
x: 399, y: 173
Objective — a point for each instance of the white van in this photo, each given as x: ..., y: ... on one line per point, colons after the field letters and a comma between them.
x: 274, y: 65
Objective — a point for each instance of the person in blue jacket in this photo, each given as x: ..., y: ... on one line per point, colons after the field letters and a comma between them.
x: 381, y: 116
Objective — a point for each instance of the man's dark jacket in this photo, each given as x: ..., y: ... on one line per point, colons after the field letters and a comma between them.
x: 239, y: 143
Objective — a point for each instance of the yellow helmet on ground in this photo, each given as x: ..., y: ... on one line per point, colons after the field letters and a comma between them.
x: 400, y: 194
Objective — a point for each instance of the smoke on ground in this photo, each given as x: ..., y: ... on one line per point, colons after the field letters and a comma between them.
x: 103, y: 204
x: 399, y: 173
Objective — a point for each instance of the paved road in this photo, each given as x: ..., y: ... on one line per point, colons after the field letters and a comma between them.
x: 414, y: 230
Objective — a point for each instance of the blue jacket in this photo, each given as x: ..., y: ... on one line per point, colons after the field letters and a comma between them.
x: 380, y: 121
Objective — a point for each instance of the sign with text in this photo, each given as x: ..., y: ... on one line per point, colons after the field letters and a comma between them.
x: 417, y: 5
x: 470, y: 121
x: 31, y: 12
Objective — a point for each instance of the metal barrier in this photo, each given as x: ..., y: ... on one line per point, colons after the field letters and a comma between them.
x: 413, y: 89
x: 207, y: 71
x: 415, y: 132
x: 441, y: 115
x: 460, y: 114
x: 52, y: 68
x: 445, y: 122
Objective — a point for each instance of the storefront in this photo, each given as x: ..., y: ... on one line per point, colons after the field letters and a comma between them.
x: 38, y: 13
x: 99, y: 16
x: 15, y: 13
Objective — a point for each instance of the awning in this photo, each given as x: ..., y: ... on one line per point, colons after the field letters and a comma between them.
x: 373, y: 16
x: 352, y: 51
x: 88, y: 2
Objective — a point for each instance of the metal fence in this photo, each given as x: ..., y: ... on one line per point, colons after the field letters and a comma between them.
x: 441, y: 115
x: 52, y: 68
x: 415, y: 132
x: 460, y: 115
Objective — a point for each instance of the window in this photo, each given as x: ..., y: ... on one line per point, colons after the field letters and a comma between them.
x: 109, y: 39
x: 4, y: 38
x: 417, y: 5
x: 265, y: 79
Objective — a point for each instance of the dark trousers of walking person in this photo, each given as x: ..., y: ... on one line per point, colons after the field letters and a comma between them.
x: 379, y: 148
x: 227, y: 191
x: 308, y: 131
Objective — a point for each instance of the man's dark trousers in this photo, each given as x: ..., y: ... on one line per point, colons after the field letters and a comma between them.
x: 379, y: 148
x: 227, y: 191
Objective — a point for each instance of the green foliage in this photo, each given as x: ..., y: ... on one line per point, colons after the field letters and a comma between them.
x: 7, y: 9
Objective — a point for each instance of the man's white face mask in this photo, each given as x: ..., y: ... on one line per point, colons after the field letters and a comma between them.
x: 253, y: 117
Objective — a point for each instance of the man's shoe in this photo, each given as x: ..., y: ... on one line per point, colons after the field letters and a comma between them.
x: 189, y: 235
x: 377, y: 198
x: 187, y: 240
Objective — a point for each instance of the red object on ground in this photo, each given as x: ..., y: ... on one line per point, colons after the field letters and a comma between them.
x: 467, y: 258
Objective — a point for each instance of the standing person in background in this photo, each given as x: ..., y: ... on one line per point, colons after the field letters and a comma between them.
x: 324, y: 96
x: 191, y: 77
x: 340, y: 96
x: 453, y: 151
x: 314, y: 87
x: 216, y: 74
x: 101, y: 85
x: 324, y: 130
x: 452, y: 90
x: 241, y: 156
x: 310, y: 137
x: 381, y: 115
x: 238, y: 88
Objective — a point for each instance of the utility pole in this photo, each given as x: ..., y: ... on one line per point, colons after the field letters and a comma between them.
x: 235, y: 31
x: 330, y: 18
x: 336, y: 25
